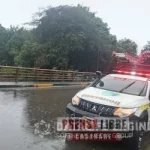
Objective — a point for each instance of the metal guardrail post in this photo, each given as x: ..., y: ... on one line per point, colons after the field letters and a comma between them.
x: 35, y: 74
x: 17, y: 71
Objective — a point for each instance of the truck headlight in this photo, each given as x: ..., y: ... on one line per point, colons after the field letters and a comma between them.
x: 75, y: 100
x: 121, y: 112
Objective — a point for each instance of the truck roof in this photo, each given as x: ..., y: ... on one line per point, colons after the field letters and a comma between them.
x: 129, y: 77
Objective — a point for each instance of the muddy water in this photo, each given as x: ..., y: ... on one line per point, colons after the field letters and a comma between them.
x: 27, y: 120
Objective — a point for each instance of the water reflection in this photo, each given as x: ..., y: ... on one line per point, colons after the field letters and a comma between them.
x: 29, y: 115
x: 46, y: 105
x: 15, y: 93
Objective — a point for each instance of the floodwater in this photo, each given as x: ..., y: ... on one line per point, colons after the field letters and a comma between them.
x: 28, y: 116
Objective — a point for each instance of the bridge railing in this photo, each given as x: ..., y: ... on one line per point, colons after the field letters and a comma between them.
x: 9, y: 73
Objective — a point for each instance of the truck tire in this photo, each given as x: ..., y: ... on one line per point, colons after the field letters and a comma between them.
x: 136, y: 142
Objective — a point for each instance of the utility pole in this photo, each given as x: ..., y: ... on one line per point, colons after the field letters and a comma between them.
x: 98, y: 59
x: 98, y: 53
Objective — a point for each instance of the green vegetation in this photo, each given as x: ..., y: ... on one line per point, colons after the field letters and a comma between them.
x: 64, y: 37
x: 126, y: 45
x: 147, y: 46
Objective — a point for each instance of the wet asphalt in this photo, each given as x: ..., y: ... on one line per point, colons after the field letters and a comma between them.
x: 28, y: 117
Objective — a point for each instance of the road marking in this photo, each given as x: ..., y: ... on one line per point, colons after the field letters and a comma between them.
x: 43, y: 85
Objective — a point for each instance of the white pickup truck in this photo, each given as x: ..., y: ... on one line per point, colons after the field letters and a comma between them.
x: 115, y: 95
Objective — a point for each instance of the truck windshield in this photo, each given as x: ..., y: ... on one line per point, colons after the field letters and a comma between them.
x: 123, y: 85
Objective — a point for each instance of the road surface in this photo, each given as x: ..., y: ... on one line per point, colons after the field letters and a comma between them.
x: 25, y: 113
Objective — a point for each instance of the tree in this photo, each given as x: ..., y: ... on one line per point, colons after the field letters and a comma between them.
x: 29, y: 52
x: 73, y: 37
x: 5, y: 57
x: 17, y: 38
x: 147, y: 46
x: 11, y: 41
x: 64, y: 37
x: 126, y: 45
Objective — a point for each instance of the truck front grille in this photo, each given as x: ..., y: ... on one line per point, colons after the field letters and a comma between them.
x: 101, y: 110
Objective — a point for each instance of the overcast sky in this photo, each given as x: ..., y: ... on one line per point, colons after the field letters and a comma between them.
x: 126, y: 18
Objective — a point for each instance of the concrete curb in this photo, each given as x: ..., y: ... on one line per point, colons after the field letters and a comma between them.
x: 44, y: 85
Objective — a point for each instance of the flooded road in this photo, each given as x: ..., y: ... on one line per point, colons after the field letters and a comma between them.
x: 25, y: 112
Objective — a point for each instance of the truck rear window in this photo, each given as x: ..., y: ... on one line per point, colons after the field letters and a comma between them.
x: 123, y: 85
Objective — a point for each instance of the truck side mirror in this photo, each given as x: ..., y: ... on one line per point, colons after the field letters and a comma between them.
x: 98, y: 74
x: 101, y: 84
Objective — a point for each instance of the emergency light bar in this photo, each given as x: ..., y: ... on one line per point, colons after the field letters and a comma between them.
x: 132, y: 69
x: 147, y: 75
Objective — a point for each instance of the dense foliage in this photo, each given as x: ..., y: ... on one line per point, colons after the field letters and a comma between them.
x: 64, y: 37
x: 147, y: 46
x: 126, y: 45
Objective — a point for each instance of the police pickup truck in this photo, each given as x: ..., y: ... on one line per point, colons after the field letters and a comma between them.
x: 115, y: 95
